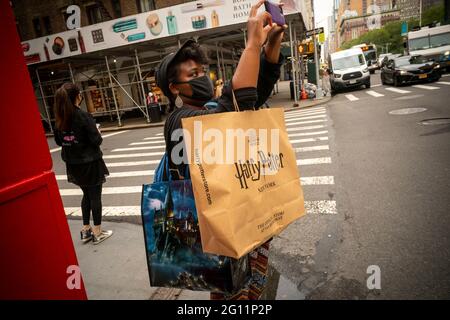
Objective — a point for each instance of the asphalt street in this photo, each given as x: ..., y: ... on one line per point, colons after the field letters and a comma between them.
x: 376, y: 190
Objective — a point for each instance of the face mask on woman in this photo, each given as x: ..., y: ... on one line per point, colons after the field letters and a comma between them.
x: 202, y: 88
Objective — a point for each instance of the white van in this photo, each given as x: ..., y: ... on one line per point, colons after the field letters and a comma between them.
x: 348, y: 69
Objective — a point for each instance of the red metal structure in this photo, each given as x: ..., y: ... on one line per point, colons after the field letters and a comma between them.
x: 35, y: 243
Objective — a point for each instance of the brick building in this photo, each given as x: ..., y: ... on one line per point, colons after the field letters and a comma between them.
x: 37, y: 18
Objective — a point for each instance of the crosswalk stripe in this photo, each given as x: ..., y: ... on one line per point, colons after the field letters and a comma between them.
x: 288, y: 115
x: 103, y: 136
x: 160, y: 134
x: 398, y: 90
x: 131, y: 163
x: 309, y: 140
x: 351, y: 97
x: 138, y: 148
x: 321, y: 207
x: 305, y: 181
x: 305, y: 128
x: 313, y: 161
x: 314, y: 148
x: 304, y: 122
x: 374, y: 94
x: 320, y: 180
x: 444, y: 82
x: 426, y: 87
x: 147, y: 142
x: 306, y: 118
x: 133, y: 155
x: 302, y: 134
x: 153, y: 138
x: 312, y: 207
x: 120, y: 174
x: 376, y: 85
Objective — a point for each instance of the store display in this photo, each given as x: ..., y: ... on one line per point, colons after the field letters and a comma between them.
x: 73, y: 45
x: 97, y: 36
x: 154, y: 24
x: 58, y: 45
x: 214, y: 19
x: 125, y: 25
x: 194, y: 6
x: 33, y: 58
x: 171, y: 23
x: 133, y: 37
x: 198, y: 22
x: 81, y: 42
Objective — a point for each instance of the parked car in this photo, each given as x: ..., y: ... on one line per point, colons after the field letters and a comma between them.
x: 348, y: 70
x: 409, y: 69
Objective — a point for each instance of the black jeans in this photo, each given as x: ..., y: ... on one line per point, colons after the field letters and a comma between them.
x: 92, y: 201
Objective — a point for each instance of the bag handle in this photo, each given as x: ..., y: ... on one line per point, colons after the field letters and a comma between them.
x: 235, y: 104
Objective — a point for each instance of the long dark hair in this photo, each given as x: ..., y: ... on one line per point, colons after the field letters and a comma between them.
x: 64, y: 105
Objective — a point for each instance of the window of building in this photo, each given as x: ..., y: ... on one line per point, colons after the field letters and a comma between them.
x: 37, y: 27
x: 145, y: 5
x: 117, y: 9
x: 94, y: 14
x: 47, y: 25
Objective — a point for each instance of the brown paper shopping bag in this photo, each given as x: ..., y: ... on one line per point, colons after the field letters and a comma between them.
x: 244, y: 196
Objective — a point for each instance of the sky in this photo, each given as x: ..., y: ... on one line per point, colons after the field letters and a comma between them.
x: 323, y: 9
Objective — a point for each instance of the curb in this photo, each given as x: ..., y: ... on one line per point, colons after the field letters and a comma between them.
x: 319, y: 103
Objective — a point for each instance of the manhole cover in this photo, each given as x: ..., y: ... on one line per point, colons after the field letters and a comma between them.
x: 435, y: 122
x: 407, y: 111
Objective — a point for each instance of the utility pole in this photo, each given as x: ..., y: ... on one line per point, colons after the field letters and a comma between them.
x: 420, y: 13
x: 319, y: 93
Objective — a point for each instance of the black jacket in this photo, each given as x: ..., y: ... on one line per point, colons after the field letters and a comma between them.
x: 82, y: 143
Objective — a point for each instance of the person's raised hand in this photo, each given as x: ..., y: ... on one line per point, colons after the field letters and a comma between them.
x: 258, y: 26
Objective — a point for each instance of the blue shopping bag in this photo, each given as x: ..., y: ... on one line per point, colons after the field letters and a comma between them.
x: 172, y: 238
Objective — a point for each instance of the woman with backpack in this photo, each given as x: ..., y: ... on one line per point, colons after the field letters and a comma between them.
x: 76, y: 132
x: 182, y: 78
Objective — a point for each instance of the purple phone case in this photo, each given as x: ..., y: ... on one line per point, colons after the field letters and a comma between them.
x: 276, y: 12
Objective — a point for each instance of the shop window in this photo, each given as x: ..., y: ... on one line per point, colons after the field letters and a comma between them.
x: 117, y: 9
x: 145, y: 5
x: 47, y: 25
x: 94, y: 14
x: 37, y: 27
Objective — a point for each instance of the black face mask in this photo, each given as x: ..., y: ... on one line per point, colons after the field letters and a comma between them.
x: 202, y: 89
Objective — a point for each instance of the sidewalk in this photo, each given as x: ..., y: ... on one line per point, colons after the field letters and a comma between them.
x: 116, y: 269
x: 280, y: 100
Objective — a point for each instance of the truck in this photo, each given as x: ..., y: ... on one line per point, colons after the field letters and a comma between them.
x: 432, y: 43
x: 348, y: 69
x: 370, y: 53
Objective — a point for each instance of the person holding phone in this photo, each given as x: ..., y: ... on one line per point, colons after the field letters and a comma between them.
x: 79, y: 136
x: 182, y: 78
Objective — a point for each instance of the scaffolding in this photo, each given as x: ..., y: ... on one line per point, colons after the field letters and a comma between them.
x: 115, y: 82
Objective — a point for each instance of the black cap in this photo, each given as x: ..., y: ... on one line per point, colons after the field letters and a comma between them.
x: 161, y: 72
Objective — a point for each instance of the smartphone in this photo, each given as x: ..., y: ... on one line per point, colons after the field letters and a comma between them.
x: 276, y: 12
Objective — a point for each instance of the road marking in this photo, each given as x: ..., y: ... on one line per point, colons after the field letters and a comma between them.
x: 298, y: 114
x: 321, y: 207
x: 351, y: 97
x: 312, y: 207
x: 398, y: 90
x: 147, y: 142
x: 376, y: 85
x: 120, y: 174
x: 314, y: 148
x: 374, y: 94
x: 426, y: 87
x: 302, y: 134
x: 153, y: 138
x: 131, y: 163
x: 313, y: 161
x: 160, y: 134
x: 304, y: 128
x: 105, y: 136
x: 133, y: 155
x: 444, y: 82
x: 304, y: 122
x: 446, y: 75
x: 309, y: 140
x: 138, y: 148
x: 306, y: 118
x: 410, y: 97
x: 320, y: 180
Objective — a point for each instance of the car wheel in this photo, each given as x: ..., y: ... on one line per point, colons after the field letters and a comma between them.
x: 367, y: 85
x: 396, y: 84
x: 383, y: 82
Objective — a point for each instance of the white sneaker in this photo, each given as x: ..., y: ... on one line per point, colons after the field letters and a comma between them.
x: 105, y: 234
